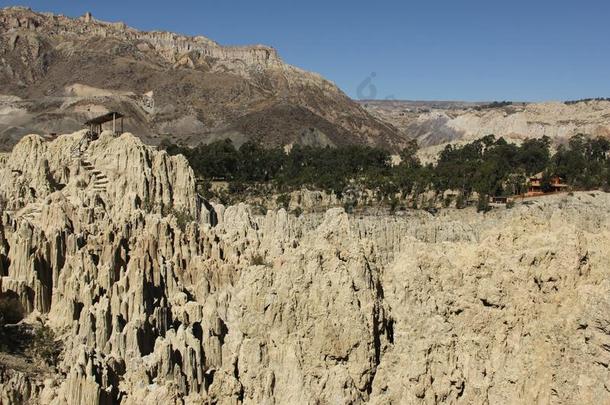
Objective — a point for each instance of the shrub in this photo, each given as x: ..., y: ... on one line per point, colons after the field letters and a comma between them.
x: 349, y: 206
x: 147, y: 204
x: 183, y: 216
x: 259, y: 209
x: 258, y: 260
x: 460, y: 201
x: 44, y: 347
x: 3, y: 203
x: 283, y: 200
x: 483, y: 203
x: 11, y: 310
x: 237, y: 187
x: 393, y: 204
x: 204, y: 187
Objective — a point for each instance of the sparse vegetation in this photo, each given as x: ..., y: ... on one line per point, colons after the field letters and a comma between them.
x: 258, y: 260
x: 259, y: 209
x: 183, y: 217
x: 43, y: 346
x: 394, y: 204
x: 460, y: 201
x: 11, y: 310
x: 483, y: 203
x: 495, y: 104
x: 147, y: 204
x: 283, y: 200
x: 584, y: 100
x: 34, y: 342
x: 349, y: 206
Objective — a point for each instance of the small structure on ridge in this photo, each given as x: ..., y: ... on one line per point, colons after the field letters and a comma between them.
x: 96, y: 125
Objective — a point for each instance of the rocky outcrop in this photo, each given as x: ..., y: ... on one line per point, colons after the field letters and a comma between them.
x: 169, y: 45
x: 157, y: 296
x: 519, y: 317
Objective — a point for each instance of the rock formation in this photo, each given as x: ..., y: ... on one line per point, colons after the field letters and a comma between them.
x: 157, y: 296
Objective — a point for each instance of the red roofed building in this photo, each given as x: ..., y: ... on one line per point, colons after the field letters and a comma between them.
x: 535, y: 185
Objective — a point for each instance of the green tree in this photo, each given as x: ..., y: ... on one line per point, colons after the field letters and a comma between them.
x: 408, y: 155
x: 483, y: 203
x: 534, y: 155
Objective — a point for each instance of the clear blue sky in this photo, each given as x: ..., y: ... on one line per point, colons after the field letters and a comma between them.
x: 425, y: 49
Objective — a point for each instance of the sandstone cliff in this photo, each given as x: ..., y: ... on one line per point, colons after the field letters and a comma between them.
x: 156, y: 296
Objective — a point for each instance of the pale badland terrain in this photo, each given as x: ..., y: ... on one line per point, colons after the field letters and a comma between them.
x: 230, y: 307
x: 437, y: 124
x: 134, y: 289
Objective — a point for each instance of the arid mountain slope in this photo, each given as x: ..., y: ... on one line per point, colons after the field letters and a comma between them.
x: 157, y: 297
x: 56, y: 71
x: 437, y: 123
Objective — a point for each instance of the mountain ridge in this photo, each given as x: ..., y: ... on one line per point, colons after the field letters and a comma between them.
x: 188, y: 88
x: 436, y: 123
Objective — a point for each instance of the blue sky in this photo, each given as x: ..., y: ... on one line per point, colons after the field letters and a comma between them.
x: 431, y: 50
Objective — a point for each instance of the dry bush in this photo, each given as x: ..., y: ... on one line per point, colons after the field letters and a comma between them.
x: 43, y: 346
x: 258, y: 260
x: 11, y: 310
